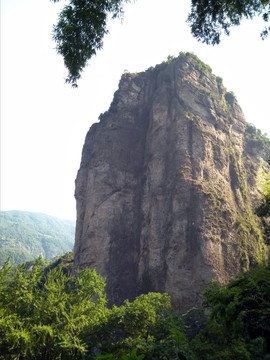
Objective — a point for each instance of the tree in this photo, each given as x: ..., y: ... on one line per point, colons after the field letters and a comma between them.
x: 239, y: 323
x: 149, y: 325
x: 79, y: 32
x: 82, y: 25
x: 51, y: 315
x: 209, y: 18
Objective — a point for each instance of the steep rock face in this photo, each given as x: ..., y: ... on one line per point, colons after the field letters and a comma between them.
x: 167, y: 185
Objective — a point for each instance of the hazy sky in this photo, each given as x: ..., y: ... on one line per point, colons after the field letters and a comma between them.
x: 44, y: 121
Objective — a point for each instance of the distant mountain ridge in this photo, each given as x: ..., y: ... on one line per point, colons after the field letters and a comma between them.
x: 26, y: 235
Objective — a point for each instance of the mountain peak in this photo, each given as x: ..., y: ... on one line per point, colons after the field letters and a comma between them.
x: 167, y: 186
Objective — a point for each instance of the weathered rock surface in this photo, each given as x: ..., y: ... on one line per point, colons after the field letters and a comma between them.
x: 167, y: 186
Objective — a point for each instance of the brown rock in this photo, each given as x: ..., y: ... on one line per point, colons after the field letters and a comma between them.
x: 167, y: 186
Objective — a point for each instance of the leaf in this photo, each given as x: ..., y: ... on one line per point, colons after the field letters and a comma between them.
x: 178, y: 336
x: 104, y: 356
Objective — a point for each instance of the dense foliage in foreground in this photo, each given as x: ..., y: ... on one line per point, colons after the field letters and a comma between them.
x: 50, y: 315
x: 239, y: 323
x: 59, y: 316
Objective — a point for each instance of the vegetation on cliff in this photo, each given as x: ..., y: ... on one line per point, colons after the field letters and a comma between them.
x: 263, y: 209
x: 49, y: 314
x: 26, y: 235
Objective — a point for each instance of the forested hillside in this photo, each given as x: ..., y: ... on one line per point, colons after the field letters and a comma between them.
x: 26, y: 235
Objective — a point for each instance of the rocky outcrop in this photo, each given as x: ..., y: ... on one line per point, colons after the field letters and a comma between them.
x: 167, y: 186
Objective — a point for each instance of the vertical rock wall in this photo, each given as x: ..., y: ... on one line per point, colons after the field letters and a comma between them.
x: 167, y: 185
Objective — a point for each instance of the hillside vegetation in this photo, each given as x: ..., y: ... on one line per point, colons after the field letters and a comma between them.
x: 26, y: 235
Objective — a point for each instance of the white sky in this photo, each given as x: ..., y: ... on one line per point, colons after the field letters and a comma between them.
x: 44, y: 121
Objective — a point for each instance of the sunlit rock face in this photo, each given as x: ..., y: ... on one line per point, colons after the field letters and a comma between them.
x: 167, y: 186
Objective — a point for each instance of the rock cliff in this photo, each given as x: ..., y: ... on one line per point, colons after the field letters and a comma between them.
x: 167, y: 186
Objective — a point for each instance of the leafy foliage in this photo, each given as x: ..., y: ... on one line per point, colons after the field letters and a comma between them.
x: 59, y: 316
x: 147, y: 324
x: 25, y: 236
x: 230, y: 97
x: 47, y: 318
x: 263, y: 209
x: 239, y: 322
x: 48, y: 314
x: 200, y: 64
x: 209, y: 18
x: 82, y: 25
x: 132, y: 356
x: 80, y: 30
x: 253, y: 133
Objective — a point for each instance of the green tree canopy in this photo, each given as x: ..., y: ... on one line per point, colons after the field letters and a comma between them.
x: 48, y: 317
x: 239, y: 323
x: 79, y: 32
x: 209, y: 18
x: 51, y: 315
x: 82, y: 25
